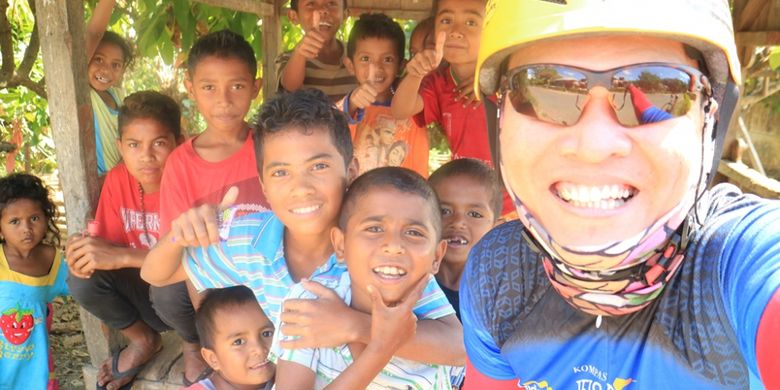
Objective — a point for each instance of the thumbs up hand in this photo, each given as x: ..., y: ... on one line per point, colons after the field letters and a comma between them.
x: 198, y: 226
x: 365, y: 94
x: 427, y: 60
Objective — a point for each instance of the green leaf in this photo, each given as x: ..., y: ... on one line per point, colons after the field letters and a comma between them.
x: 774, y: 58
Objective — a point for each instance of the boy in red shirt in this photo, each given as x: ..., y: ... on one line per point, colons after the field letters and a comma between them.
x: 104, y: 266
x: 221, y: 79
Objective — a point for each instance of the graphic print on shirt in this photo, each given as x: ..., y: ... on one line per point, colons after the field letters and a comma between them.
x: 591, y: 378
x: 144, y: 223
x: 17, y: 324
x: 380, y: 143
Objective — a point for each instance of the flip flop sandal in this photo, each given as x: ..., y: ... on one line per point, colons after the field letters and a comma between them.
x: 203, y: 375
x: 132, y: 372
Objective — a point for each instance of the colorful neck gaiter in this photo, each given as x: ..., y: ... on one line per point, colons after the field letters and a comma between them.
x: 620, y: 277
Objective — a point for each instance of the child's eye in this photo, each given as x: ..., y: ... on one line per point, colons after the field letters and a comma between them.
x: 415, y: 233
x: 445, y: 211
x: 160, y: 143
x: 35, y: 218
x: 279, y: 173
x: 267, y: 333
x: 363, y: 59
x: 389, y: 60
x: 238, y: 86
x: 445, y: 21
x: 14, y: 221
x: 116, y: 66
x: 472, y: 23
x: 320, y: 166
x: 132, y: 145
x: 474, y: 214
x: 238, y: 342
x: 374, y: 229
x: 207, y: 87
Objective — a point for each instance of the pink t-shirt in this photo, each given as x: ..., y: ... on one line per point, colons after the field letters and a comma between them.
x: 121, y: 215
x: 189, y: 181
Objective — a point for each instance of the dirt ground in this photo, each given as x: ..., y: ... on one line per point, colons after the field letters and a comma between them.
x: 68, y: 345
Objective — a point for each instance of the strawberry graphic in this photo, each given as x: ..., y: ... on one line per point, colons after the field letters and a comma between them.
x: 16, y: 323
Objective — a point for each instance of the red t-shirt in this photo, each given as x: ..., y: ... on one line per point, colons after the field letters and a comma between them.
x: 380, y: 140
x: 465, y: 128
x: 190, y: 181
x: 121, y: 215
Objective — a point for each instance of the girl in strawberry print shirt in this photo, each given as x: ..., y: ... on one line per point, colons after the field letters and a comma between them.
x: 32, y: 274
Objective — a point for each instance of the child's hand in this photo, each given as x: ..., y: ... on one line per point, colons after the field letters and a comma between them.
x: 365, y: 95
x: 85, y: 255
x: 198, y: 226
x: 392, y: 327
x: 427, y: 60
x: 312, y: 41
x: 321, y: 322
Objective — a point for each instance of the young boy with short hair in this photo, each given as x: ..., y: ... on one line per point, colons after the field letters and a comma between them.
x: 222, y: 81
x: 104, y: 266
x: 305, y: 159
x: 422, y: 37
x: 235, y: 336
x: 318, y: 59
x: 375, y: 55
x: 470, y: 198
x: 389, y: 235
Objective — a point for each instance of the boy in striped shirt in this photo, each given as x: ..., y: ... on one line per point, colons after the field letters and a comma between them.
x: 304, y: 157
x: 389, y: 235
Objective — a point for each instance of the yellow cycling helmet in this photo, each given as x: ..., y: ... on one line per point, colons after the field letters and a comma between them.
x: 703, y: 24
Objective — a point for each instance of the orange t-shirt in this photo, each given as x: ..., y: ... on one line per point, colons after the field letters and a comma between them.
x: 380, y: 140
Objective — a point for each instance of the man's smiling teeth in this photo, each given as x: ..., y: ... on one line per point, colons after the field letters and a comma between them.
x: 388, y: 270
x: 305, y: 210
x: 605, y: 197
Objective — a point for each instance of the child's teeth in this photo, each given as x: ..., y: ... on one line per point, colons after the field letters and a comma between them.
x: 386, y: 270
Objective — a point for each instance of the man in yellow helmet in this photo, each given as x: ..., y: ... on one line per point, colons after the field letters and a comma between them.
x: 623, y: 270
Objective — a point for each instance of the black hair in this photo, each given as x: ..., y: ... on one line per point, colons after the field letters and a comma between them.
x: 401, y: 179
x: 477, y: 171
x: 18, y: 186
x: 427, y: 23
x: 435, y: 7
x: 215, y: 300
x: 152, y: 105
x: 304, y: 110
x: 117, y: 40
x: 222, y: 44
x: 376, y: 26
x: 294, y: 5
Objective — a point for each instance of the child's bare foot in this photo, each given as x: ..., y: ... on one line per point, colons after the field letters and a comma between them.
x: 195, y: 368
x: 122, y: 367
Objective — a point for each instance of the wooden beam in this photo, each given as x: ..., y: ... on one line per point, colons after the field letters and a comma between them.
x: 749, y: 180
x: 61, y: 32
x: 272, y: 38
x: 256, y: 7
x: 393, y: 13
x: 758, y: 38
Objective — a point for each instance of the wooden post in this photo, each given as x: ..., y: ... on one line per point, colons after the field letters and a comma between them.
x: 61, y: 32
x: 272, y: 34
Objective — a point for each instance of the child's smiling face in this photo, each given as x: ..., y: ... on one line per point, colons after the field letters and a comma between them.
x: 389, y: 242
x: 304, y: 178
x: 106, y: 67
x: 324, y: 16
x: 375, y: 62
x: 242, y: 339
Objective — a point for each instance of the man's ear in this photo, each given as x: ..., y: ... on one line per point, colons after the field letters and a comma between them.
x: 349, y: 65
x: 293, y: 16
x: 337, y: 239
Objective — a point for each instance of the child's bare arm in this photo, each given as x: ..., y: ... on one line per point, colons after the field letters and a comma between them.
x: 328, y: 321
x: 294, y: 71
x: 391, y: 327
x: 97, y: 25
x: 162, y: 265
x: 293, y: 376
x: 86, y: 255
x: 407, y: 100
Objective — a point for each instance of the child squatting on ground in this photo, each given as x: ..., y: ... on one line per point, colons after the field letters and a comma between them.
x: 389, y: 236
x: 105, y: 264
x: 32, y: 274
x: 235, y: 336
